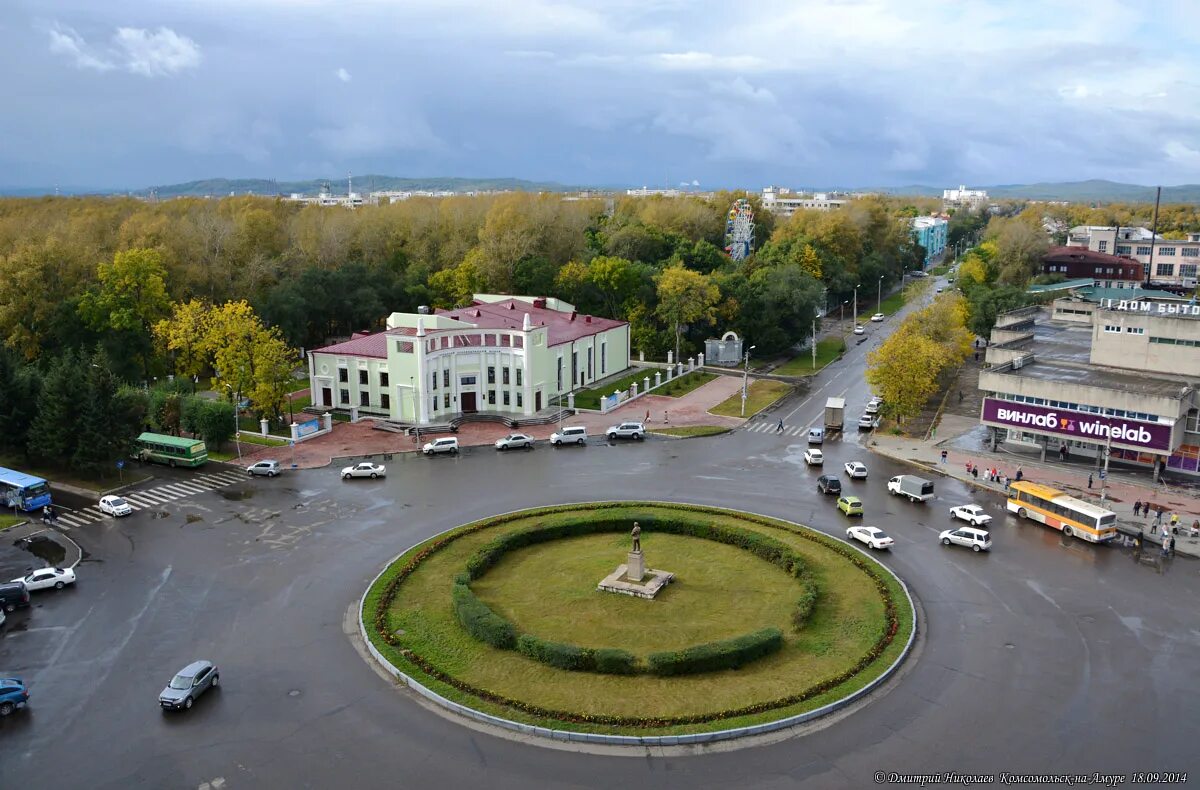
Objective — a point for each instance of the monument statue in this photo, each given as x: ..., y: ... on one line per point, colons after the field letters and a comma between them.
x: 631, y: 577
x: 636, y: 533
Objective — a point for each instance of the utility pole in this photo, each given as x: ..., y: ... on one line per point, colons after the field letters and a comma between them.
x: 856, y: 303
x: 879, y: 296
x: 746, y: 376
x: 1153, y: 236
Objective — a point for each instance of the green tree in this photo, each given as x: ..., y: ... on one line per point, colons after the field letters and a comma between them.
x: 19, y: 399
x: 183, y: 337
x: 274, y: 362
x: 53, y: 435
x: 215, y: 422
x: 130, y: 299
x: 615, y: 281
x: 685, y: 297
x: 904, y: 371
x: 96, y: 444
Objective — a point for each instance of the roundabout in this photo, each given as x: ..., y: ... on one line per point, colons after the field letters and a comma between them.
x: 767, y: 624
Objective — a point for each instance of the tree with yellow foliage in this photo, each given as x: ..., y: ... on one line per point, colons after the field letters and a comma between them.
x: 904, y: 371
x: 685, y: 297
x: 184, y: 336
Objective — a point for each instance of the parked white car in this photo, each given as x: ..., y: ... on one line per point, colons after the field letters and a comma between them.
x: 513, y: 441
x: 114, y: 506
x: 45, y: 578
x: 626, y: 430
x: 868, y: 422
x: 365, y: 469
x: 877, y: 317
x: 874, y: 537
x: 977, y: 539
x: 972, y: 514
x: 446, y: 444
x: 572, y: 434
x: 873, y: 405
x: 856, y: 470
x: 814, y: 457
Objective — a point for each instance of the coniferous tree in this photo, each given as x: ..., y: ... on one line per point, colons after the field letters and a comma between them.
x: 53, y: 436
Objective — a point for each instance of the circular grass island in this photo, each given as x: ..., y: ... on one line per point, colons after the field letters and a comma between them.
x: 764, y: 621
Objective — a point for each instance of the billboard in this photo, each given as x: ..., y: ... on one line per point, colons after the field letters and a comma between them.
x: 1082, y: 426
x: 309, y: 427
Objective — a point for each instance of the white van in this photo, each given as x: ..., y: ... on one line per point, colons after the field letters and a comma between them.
x: 977, y: 539
x: 572, y: 434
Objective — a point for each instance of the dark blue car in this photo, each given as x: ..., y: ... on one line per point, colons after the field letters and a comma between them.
x: 13, y: 695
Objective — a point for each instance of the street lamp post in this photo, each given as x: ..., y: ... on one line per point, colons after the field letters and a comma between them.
x: 879, y: 296
x: 816, y: 315
x: 745, y: 377
x: 855, y: 308
x: 842, y: 315
x: 237, y: 437
x: 412, y: 387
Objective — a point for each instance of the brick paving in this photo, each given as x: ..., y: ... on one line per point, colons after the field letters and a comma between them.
x: 360, y: 439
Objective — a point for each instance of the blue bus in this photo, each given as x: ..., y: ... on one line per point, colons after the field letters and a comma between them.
x: 23, y: 492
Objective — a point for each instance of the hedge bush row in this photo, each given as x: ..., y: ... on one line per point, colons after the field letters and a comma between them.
x: 709, y: 657
x: 556, y: 654
x: 480, y: 621
x: 377, y: 609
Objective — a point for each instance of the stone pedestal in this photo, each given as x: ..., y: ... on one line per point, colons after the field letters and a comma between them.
x: 635, y: 566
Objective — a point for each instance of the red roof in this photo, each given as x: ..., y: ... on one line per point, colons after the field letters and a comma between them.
x: 364, y: 345
x: 510, y: 314
x: 1084, y: 255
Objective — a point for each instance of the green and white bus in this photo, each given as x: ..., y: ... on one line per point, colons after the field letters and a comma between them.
x: 171, y: 450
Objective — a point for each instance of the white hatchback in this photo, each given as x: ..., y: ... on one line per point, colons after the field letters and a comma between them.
x: 114, y: 506
x: 814, y: 457
x: 857, y: 470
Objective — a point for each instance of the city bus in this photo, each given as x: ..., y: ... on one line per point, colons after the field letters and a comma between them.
x: 1055, y: 509
x: 171, y: 450
x: 23, y: 492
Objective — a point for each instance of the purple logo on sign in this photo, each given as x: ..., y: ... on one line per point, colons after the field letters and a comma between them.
x: 1078, y: 425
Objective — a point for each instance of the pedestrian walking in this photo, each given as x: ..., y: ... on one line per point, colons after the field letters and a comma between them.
x: 1166, y: 547
x: 1158, y: 514
x: 779, y: 428
x: 975, y: 472
x: 1174, y: 522
x: 960, y: 396
x: 1137, y: 506
x: 647, y: 416
x: 666, y: 417
x: 1020, y: 474
x: 944, y: 454
x: 1089, y: 481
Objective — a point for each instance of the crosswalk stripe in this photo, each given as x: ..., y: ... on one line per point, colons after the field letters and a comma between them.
x: 212, y: 480
x: 190, y: 488
x: 71, y: 520
x: 141, y: 498
x: 795, y: 431
x: 172, y: 491
x: 228, y: 477
x: 165, y: 493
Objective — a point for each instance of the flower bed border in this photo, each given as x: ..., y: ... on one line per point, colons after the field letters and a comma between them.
x: 855, y: 555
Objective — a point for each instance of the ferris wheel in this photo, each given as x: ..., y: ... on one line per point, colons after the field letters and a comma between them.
x: 739, y: 230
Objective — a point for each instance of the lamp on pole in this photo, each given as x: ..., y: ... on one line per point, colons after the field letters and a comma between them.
x: 412, y: 386
x: 842, y: 315
x: 816, y: 315
x: 237, y: 438
x: 879, y: 296
x: 855, y: 308
x: 745, y: 376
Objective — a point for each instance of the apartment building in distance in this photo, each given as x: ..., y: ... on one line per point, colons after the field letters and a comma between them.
x: 783, y: 202
x: 1170, y: 263
x: 973, y: 199
x: 930, y: 233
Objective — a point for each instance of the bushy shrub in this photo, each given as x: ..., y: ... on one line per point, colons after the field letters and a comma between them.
x: 556, y: 654
x: 711, y: 656
x: 611, y: 661
x: 480, y: 621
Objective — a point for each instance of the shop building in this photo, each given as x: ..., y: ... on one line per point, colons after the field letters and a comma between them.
x: 1115, y: 376
x: 506, y: 355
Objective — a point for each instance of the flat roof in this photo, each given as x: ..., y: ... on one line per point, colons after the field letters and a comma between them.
x: 1100, y: 377
x: 1065, y: 285
x: 1063, y: 343
x: 561, y: 326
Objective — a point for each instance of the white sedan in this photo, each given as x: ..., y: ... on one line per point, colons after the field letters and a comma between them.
x: 877, y: 317
x: 874, y: 537
x: 45, y: 578
x: 515, y: 440
x: 972, y: 514
x: 365, y: 469
x: 114, y: 506
x: 857, y: 470
x: 860, y: 330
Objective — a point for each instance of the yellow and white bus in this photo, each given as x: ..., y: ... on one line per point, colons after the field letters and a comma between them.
x: 1055, y: 509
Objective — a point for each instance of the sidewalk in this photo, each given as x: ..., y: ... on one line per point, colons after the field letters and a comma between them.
x: 1122, y: 490
x: 361, y: 439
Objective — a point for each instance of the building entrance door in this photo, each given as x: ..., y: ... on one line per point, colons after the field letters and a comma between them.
x: 326, y: 396
x: 468, y: 402
x: 537, y: 401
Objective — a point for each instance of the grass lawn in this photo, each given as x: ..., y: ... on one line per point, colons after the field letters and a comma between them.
x: 299, y: 405
x: 720, y: 591
x: 939, y: 271
x: 590, y: 399
x: 828, y: 350
x: 892, y: 303
x: 682, y: 385
x: 229, y: 453
x: 760, y: 395
x: 11, y: 521
x: 691, y: 430
x: 110, y: 479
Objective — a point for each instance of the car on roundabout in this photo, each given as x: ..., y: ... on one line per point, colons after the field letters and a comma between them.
x: 364, y: 469
x: 877, y: 317
x: 114, y: 506
x: 829, y: 484
x: 850, y: 505
x: 47, y: 578
x: 976, y: 539
x: 873, y: 537
x: 188, y: 684
x: 972, y: 514
x: 857, y: 470
x: 859, y: 329
x: 513, y: 441
x: 814, y: 457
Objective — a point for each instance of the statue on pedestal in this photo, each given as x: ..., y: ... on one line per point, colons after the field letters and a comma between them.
x: 636, y: 534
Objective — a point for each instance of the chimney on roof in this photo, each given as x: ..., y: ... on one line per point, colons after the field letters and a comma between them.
x: 525, y: 326
x: 572, y: 315
x: 420, y: 326
x: 423, y: 309
x: 587, y: 319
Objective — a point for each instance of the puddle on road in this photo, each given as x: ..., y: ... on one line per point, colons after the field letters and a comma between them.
x: 45, y: 549
x: 159, y: 514
x: 192, y: 518
x: 236, y: 495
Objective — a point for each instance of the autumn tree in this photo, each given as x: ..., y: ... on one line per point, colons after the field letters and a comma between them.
x: 131, y: 297
x: 184, y: 337
x: 904, y: 371
x: 685, y: 297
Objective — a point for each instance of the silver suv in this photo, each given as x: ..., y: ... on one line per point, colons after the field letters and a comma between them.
x: 626, y: 430
x: 191, y: 681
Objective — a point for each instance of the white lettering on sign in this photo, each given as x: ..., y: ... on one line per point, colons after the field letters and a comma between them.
x: 1162, y: 308
x: 1133, y: 434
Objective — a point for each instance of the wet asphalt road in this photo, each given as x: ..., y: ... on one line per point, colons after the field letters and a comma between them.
x: 1046, y: 655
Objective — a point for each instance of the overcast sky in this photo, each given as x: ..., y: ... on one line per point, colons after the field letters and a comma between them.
x: 129, y: 93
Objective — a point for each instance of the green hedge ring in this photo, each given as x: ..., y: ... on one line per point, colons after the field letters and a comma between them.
x: 888, y: 630
x: 487, y: 626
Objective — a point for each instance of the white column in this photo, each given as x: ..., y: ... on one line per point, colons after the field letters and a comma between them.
x: 657, y: 378
x: 647, y: 389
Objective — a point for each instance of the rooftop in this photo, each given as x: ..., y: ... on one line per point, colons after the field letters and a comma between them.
x: 1096, y: 293
x: 1100, y: 377
x: 1084, y: 255
x: 1065, y: 285
x: 561, y: 327
x: 366, y: 345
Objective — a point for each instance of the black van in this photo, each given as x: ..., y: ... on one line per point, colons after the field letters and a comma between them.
x: 13, y: 595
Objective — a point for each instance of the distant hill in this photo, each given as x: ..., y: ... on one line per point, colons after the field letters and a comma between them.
x: 1094, y: 190
x: 362, y: 184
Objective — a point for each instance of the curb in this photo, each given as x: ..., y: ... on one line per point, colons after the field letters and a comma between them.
x: 635, y: 740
